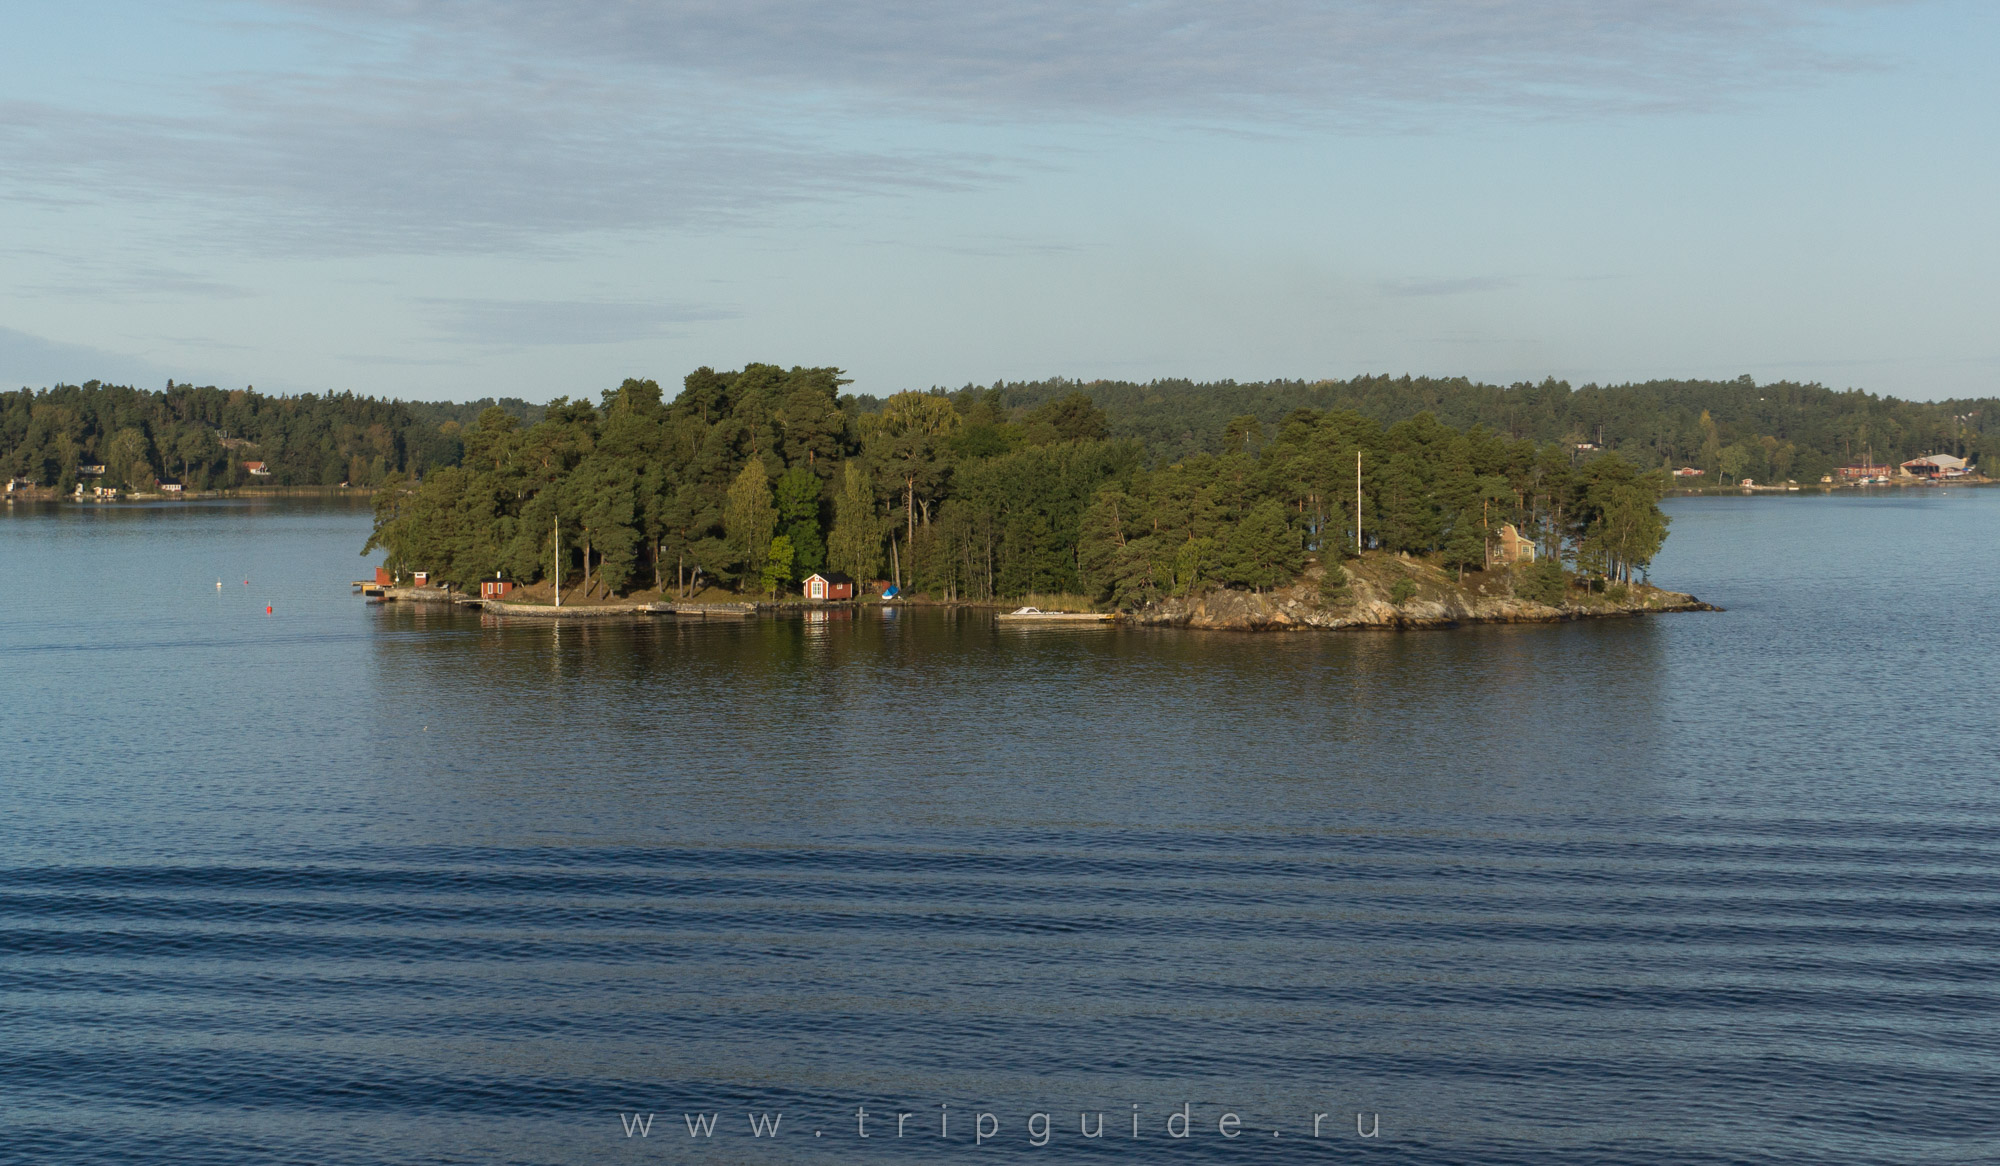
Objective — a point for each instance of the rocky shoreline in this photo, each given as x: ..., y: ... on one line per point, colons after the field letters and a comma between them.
x: 1382, y: 591
x: 1437, y: 599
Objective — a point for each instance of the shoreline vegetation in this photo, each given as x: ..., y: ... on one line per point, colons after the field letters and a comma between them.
x: 115, y: 496
x: 750, y: 483
x: 206, y: 438
x: 30, y: 493
x: 1273, y: 504
x: 757, y: 480
x: 1379, y: 591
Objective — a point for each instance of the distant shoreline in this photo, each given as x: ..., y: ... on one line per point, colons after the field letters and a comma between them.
x: 51, y: 494
x: 1826, y: 487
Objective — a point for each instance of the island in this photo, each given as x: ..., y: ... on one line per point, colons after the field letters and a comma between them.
x: 760, y: 486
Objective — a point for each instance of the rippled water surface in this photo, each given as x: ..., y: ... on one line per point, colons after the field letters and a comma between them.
x: 344, y: 883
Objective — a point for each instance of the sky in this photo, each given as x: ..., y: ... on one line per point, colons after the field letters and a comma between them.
x: 441, y: 200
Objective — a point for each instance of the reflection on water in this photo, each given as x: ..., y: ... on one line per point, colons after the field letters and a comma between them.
x: 353, y: 883
x: 941, y: 719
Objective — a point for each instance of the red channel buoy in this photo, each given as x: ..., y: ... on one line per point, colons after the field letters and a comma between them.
x: 267, y: 609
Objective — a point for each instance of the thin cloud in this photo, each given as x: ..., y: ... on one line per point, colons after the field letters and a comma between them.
x: 1448, y: 287
x: 30, y: 360
x: 1286, y: 59
x: 439, y: 126
x: 140, y: 282
x: 422, y: 166
x: 538, y: 323
x: 378, y: 359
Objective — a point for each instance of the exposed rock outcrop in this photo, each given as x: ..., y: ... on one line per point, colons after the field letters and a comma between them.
x: 1433, y: 598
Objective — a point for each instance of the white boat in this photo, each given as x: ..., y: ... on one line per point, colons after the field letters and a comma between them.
x: 1038, y: 615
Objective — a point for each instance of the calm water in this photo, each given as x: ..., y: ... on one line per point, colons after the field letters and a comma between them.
x: 357, y: 884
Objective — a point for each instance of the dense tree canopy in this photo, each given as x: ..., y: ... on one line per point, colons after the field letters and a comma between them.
x: 203, y: 437
x: 754, y: 478
x: 759, y: 477
x: 731, y: 478
x: 1737, y: 428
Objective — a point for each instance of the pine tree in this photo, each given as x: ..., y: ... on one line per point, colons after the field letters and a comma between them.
x: 1261, y: 551
x: 1465, y: 546
x: 1333, y: 586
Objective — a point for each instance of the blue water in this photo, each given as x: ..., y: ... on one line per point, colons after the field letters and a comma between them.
x: 346, y: 883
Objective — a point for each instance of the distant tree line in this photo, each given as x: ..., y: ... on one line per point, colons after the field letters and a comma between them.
x: 1730, y: 429
x: 204, y: 438
x: 754, y: 479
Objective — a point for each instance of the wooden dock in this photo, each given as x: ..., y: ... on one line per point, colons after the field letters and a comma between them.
x: 705, y: 610
x: 680, y: 609
x: 567, y: 611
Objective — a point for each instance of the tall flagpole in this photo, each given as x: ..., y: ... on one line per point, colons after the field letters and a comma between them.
x: 1357, y: 501
x: 558, y: 560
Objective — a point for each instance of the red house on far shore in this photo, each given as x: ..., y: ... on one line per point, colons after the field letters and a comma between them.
x: 830, y: 585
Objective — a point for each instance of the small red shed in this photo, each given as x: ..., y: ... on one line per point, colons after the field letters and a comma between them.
x: 495, y: 588
x: 829, y: 585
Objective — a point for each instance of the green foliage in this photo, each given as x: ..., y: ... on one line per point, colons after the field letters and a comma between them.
x: 644, y: 491
x: 1127, y: 491
x: 1242, y: 434
x: 750, y: 517
x: 1334, y: 588
x: 855, y: 547
x: 1260, y: 551
x: 202, y: 436
x: 963, y: 497
x: 1112, y: 558
x: 1543, y: 582
x: 1071, y: 418
x: 128, y: 459
x: 1465, y: 545
x: 1401, y: 591
x: 1189, y: 566
x: 777, y: 569
x: 798, y: 505
x: 600, y: 498
x: 1653, y: 423
x: 1743, y: 459
x: 1621, y: 522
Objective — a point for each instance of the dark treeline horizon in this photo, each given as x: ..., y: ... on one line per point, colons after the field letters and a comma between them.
x: 1779, y: 429
x: 205, y: 437
x: 1730, y: 429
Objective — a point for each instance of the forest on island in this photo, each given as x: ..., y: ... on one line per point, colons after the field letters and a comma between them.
x: 756, y: 478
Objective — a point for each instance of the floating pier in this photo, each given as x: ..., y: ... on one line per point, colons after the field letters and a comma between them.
x: 1036, y: 615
